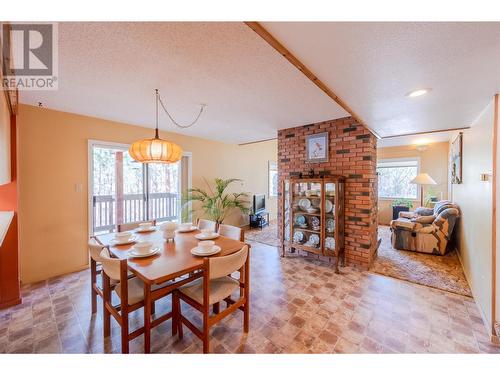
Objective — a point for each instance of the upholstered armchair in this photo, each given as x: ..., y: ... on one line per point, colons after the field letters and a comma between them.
x: 425, y: 230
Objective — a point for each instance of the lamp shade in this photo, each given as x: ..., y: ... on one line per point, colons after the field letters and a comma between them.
x: 155, y: 150
x: 423, y: 179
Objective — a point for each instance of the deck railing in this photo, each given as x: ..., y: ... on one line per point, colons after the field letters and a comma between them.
x: 135, y: 207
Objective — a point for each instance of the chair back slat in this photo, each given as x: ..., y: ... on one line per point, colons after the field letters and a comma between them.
x: 95, y: 249
x: 207, y: 224
x: 133, y: 225
x: 231, y: 231
x: 226, y: 265
x: 111, y: 266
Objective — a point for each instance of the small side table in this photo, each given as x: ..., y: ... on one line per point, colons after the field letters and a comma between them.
x: 259, y: 220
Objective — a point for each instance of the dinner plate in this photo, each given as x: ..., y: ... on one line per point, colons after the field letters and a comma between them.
x: 298, y: 236
x: 193, y: 227
x: 300, y: 220
x: 134, y: 254
x: 304, y: 204
x: 202, y: 236
x: 328, y: 206
x: 150, y: 229
x: 199, y: 252
x: 132, y: 239
x: 314, y: 239
x: 330, y: 243
x: 330, y: 225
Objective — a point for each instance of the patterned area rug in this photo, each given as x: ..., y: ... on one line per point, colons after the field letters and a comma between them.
x: 441, y: 272
x: 267, y: 235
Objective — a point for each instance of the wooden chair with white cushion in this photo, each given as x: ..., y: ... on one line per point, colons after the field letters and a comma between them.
x: 231, y: 231
x: 214, y: 287
x: 134, y: 225
x: 131, y: 295
x: 206, y: 224
x: 95, y: 259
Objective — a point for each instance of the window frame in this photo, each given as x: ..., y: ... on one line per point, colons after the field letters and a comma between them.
x: 91, y: 143
x: 271, y: 166
x: 399, y: 160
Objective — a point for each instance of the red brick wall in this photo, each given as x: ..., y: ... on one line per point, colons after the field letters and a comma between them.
x: 353, y: 154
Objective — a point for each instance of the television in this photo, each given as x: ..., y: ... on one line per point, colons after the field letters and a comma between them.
x: 259, y: 203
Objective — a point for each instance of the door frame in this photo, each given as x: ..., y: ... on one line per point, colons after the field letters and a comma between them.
x: 91, y: 143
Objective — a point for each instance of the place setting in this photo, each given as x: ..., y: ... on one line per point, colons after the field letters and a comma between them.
x: 124, y: 238
x: 143, y: 250
x: 145, y: 228
x: 206, y: 234
x: 186, y: 227
x: 205, y: 248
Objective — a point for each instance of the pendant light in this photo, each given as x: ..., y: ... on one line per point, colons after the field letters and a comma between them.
x: 155, y: 150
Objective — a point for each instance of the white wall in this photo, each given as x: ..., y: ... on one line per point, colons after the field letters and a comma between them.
x: 474, y: 198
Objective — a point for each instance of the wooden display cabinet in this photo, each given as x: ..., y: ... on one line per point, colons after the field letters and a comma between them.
x: 313, y: 216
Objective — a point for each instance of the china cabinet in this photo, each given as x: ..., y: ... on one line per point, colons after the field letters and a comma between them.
x: 313, y: 216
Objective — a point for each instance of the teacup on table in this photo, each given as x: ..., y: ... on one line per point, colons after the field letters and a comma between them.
x: 185, y: 226
x: 123, y: 236
x: 144, y: 226
x: 143, y: 247
x: 207, y: 232
x: 206, y: 246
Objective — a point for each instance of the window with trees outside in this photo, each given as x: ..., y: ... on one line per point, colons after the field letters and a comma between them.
x: 273, y: 179
x: 394, y: 176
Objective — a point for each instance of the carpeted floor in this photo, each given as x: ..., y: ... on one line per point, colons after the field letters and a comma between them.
x: 267, y: 235
x: 441, y: 272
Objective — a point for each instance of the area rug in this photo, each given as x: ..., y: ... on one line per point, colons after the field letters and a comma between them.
x: 267, y: 235
x: 441, y: 272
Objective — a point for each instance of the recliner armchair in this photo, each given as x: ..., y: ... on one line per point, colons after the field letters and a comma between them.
x: 425, y: 230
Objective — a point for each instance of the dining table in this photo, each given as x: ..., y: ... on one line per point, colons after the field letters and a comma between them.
x: 170, y: 264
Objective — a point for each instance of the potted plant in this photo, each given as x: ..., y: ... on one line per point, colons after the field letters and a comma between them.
x: 217, y: 203
x: 400, y: 205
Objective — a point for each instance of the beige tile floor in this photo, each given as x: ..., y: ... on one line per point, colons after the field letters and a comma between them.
x: 298, y: 305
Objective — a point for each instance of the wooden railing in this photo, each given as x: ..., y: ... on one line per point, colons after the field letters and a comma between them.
x: 135, y: 207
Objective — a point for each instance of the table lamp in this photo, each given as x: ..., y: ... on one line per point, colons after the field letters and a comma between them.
x: 423, y: 179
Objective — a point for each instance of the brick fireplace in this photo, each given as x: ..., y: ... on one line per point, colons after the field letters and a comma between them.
x: 353, y: 154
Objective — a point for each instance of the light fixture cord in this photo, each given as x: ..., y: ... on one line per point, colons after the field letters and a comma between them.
x: 157, y: 98
x: 170, y: 116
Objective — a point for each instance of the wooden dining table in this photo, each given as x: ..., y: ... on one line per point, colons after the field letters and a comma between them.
x: 172, y: 261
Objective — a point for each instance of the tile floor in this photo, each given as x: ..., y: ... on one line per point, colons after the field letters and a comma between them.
x: 298, y: 305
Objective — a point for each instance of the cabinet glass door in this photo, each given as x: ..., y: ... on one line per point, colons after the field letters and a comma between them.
x: 330, y: 216
x: 306, y: 214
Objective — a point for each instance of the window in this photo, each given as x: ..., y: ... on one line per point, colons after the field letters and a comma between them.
x: 123, y: 190
x: 273, y: 179
x: 394, y: 176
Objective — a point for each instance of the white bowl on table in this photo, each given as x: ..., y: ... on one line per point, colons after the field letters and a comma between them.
x: 143, y: 247
x: 123, y: 237
x: 145, y: 227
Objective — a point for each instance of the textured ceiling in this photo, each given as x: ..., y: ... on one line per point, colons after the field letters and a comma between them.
x: 110, y: 71
x: 372, y: 66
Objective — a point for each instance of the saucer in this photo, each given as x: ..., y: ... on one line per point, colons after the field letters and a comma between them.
x: 199, y: 252
x: 187, y: 230
x: 134, y: 254
x: 201, y: 236
x: 150, y: 229
x: 132, y: 239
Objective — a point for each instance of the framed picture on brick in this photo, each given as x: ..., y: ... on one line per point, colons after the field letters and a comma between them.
x: 317, y: 148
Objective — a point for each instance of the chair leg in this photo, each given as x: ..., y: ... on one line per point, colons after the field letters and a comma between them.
x: 105, y: 312
x: 175, y: 314
x: 206, y: 330
x: 93, y: 280
x: 216, y: 307
x: 94, y: 299
x: 179, y: 316
x: 124, y: 328
x: 246, y: 317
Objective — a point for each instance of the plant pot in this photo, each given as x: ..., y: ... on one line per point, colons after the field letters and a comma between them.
x: 397, y: 209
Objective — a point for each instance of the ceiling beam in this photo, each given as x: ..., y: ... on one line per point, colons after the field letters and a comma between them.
x: 273, y: 42
x: 427, y: 132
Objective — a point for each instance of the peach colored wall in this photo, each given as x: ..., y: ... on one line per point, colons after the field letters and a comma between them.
x: 434, y: 161
x: 53, y: 153
x: 474, y: 197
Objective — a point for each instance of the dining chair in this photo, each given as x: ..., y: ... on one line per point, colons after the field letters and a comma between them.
x: 133, y: 225
x: 206, y: 224
x: 131, y: 295
x: 231, y: 231
x: 215, y: 286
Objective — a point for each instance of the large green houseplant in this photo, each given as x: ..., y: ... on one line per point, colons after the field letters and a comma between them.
x: 215, y: 202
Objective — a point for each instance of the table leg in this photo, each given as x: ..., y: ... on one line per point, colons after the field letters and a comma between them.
x: 147, y: 318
